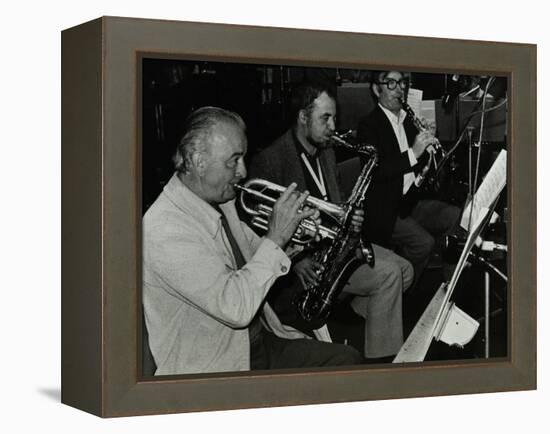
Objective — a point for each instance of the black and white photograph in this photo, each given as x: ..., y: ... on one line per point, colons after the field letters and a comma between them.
x: 314, y: 217
x: 280, y: 217
x: 287, y: 217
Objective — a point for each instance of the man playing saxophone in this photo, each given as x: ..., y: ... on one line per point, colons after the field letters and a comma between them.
x: 303, y: 155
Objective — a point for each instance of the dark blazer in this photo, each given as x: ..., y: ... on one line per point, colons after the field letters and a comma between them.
x: 280, y: 163
x: 385, y: 196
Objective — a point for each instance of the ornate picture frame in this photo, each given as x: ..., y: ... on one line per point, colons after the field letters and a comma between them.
x: 101, y: 217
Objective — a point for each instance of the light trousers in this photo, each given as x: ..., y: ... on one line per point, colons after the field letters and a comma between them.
x: 378, y: 299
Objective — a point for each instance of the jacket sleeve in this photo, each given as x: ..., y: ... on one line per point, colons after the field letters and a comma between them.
x: 182, y: 262
x: 254, y: 241
x: 388, y: 168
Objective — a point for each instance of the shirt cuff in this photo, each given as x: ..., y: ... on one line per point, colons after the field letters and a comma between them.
x: 281, y: 262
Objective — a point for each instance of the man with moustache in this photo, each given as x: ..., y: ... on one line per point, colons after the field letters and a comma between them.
x: 302, y: 155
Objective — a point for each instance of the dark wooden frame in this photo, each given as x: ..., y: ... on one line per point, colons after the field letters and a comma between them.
x: 101, y: 271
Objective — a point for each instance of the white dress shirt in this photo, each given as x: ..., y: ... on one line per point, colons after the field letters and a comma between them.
x: 396, y: 122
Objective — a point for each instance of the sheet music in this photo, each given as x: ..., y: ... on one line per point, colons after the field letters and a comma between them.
x: 414, y: 99
x: 427, y: 111
x: 488, y: 191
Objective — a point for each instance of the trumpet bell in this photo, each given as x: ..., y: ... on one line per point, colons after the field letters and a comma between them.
x: 257, y: 199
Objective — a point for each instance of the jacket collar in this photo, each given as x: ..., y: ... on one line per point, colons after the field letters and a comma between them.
x: 396, y: 119
x: 327, y: 165
x: 300, y: 148
x: 188, y: 202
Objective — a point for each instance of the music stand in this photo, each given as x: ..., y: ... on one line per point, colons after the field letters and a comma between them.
x: 443, y: 320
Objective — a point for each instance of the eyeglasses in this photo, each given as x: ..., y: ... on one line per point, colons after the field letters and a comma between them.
x: 392, y: 83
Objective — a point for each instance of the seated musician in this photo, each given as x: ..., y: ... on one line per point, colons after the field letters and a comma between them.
x: 206, y: 274
x: 302, y: 155
x: 400, y: 218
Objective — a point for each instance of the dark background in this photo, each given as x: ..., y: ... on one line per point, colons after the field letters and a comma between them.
x: 172, y: 89
x: 260, y: 94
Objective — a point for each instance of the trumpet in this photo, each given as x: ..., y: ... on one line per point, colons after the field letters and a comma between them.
x: 257, y: 199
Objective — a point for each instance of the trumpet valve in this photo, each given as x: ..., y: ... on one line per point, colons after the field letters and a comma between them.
x: 264, y: 209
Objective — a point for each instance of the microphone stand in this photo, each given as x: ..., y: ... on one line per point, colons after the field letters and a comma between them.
x: 465, y: 126
x: 481, y: 261
x: 474, y: 257
x: 487, y: 314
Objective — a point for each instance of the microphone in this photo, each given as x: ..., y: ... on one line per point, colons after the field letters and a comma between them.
x: 453, y: 89
x: 453, y: 246
x: 489, y: 246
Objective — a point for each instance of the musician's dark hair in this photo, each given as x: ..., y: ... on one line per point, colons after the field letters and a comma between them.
x: 304, y: 95
x: 197, y: 130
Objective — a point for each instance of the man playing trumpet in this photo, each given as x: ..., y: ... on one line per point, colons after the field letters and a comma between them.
x: 302, y: 155
x: 206, y: 274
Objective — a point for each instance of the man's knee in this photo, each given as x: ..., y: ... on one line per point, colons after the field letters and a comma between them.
x: 425, y: 245
x: 393, y: 277
x: 344, y: 355
x: 397, y: 268
x: 451, y: 218
x: 407, y: 271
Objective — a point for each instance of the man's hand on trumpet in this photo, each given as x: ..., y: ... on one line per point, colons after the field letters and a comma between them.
x: 288, y: 212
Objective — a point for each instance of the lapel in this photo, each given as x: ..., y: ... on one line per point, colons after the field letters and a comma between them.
x: 410, y: 131
x: 388, y: 135
x: 293, y: 171
x: 328, y: 165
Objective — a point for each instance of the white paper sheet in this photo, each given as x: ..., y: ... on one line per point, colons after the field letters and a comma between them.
x: 490, y: 188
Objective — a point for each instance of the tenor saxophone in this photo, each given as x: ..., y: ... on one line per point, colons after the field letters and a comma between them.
x: 339, y: 256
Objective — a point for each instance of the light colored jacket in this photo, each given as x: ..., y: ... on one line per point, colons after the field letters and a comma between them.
x: 197, y: 303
